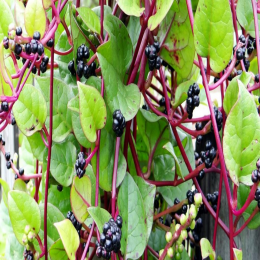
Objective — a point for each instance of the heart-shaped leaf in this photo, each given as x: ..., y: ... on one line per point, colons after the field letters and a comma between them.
x: 162, y: 7
x: 69, y: 237
x: 178, y: 49
x: 115, y: 57
x: 93, y: 112
x: 215, y: 38
x: 37, y: 145
x: 132, y: 209
x: 57, y: 251
x: 90, y: 19
x: 62, y: 93
x: 62, y: 162
x: 100, y: 216
x: 80, y: 197
x: 30, y: 110
x: 245, y: 16
x: 35, y: 17
x: 23, y: 211
x: 241, y: 150
x: 131, y: 7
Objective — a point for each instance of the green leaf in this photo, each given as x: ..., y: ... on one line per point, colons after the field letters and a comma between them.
x: 13, y: 249
x: 162, y: 7
x: 232, y: 92
x: 37, y: 145
x: 238, y: 254
x: 93, y: 112
x: 131, y: 7
x: 157, y: 239
x: 69, y: 237
x: 178, y: 49
x: 26, y: 159
x: 5, y: 189
x: 20, y: 185
x: 60, y: 199
x: 206, y: 249
x: 245, y: 16
x: 100, y: 216
x: 115, y: 57
x: 177, y: 167
x: 19, y: 11
x: 54, y: 215
x: 241, y: 150
x: 148, y: 193
x: 62, y: 93
x: 6, y: 18
x: 35, y: 17
x: 80, y: 197
x: 30, y: 110
x: 62, y: 162
x: 57, y: 251
x: 90, y: 19
x: 215, y: 38
x: 131, y: 208
x: 242, y: 195
x: 134, y: 28
x: 23, y: 211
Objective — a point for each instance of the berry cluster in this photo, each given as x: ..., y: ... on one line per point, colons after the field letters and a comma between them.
x: 256, y: 173
x: 151, y: 52
x: 190, y: 196
x: 241, y: 52
x: 4, y: 106
x: 213, y: 199
x: 32, y: 47
x: 110, y: 238
x: 118, y: 123
x: 193, y: 99
x: 251, y: 45
x: 74, y: 221
x: 80, y: 164
x: 82, y: 69
x: 184, y: 208
x: 27, y: 239
x: 8, y: 160
x: 257, y: 197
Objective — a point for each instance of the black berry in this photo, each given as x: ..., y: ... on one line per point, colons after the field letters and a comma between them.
x: 4, y: 106
x: 18, y: 49
x: 36, y: 36
x: 50, y: 43
x: 7, y: 156
x: 59, y: 187
x: 19, y: 31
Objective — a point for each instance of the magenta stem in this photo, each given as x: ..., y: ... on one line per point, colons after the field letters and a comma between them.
x: 88, y: 241
x: 117, y: 148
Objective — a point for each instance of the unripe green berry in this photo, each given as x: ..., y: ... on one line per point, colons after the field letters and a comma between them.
x: 177, y: 226
x: 179, y: 241
x: 198, y: 199
x: 180, y: 248
x: 25, y: 239
x: 178, y: 256
x: 168, y: 236
x: 31, y: 236
x: 160, y: 252
x: 170, y: 252
x: 11, y: 34
x: 183, y: 219
x: 36, y: 255
x: 27, y: 246
x: 27, y: 229
x: 193, y: 211
x: 192, y: 225
x: 184, y: 234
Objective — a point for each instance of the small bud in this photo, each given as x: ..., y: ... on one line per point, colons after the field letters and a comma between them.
x: 198, y: 199
x: 179, y: 241
x: 183, y: 219
x: 36, y: 255
x: 193, y: 211
x: 184, y: 234
x: 31, y: 236
x: 25, y: 239
x: 27, y: 229
x: 177, y: 226
x: 178, y: 256
x: 168, y: 236
x: 180, y: 248
x: 160, y: 252
x: 170, y: 252
x: 192, y: 225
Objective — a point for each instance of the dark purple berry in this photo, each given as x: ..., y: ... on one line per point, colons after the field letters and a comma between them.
x: 18, y: 49
x: 59, y: 188
x: 50, y: 43
x: 36, y: 36
x: 4, y: 106
x: 19, y: 31
x: 8, y: 165
x: 7, y: 156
